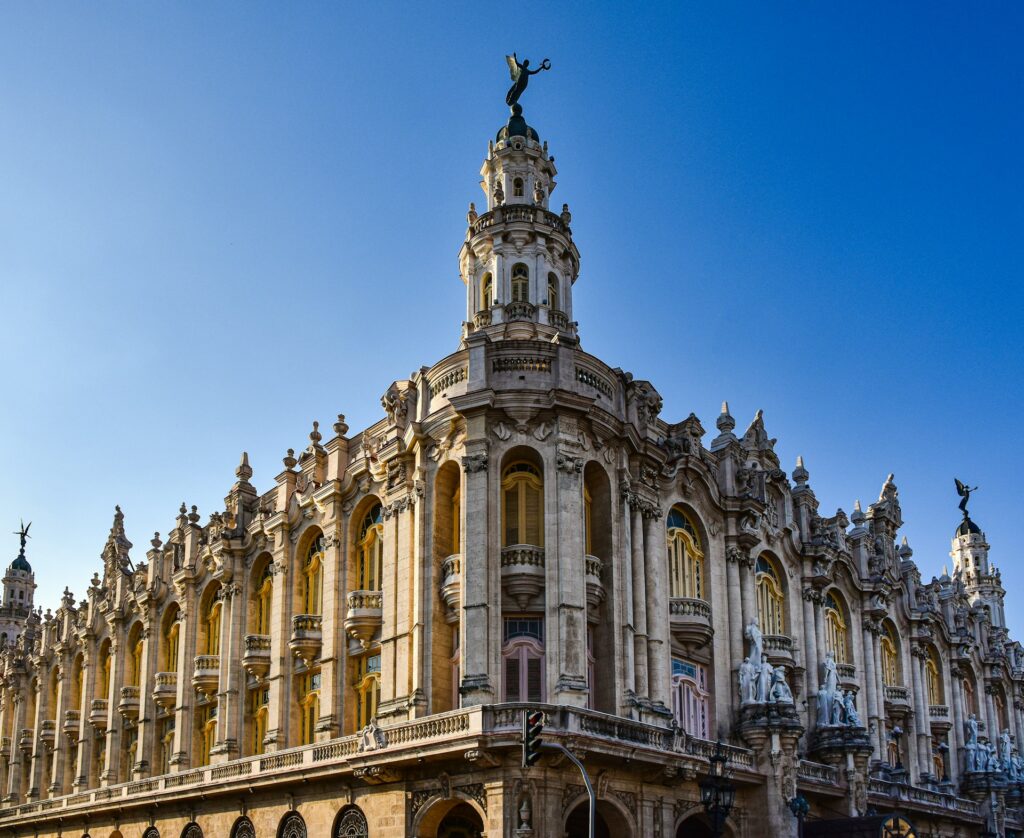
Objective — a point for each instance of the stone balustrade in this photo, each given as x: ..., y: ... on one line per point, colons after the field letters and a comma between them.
x: 165, y: 689
x: 690, y: 620
x: 307, y: 637
x: 256, y: 657
x: 48, y: 731
x: 779, y: 648
x: 72, y: 723
x: 817, y: 772
x: 558, y: 319
x: 520, y: 311
x: 365, y: 615
x: 98, y: 713
x: 518, y: 214
x: 128, y: 707
x: 522, y: 572
x: 898, y: 697
x: 206, y: 674
x: 593, y: 567
x: 26, y: 740
x: 451, y: 586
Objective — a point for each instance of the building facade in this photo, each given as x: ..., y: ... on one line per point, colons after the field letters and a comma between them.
x: 349, y: 651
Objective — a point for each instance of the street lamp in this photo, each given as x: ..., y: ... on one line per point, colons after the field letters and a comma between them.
x: 799, y: 807
x: 717, y: 793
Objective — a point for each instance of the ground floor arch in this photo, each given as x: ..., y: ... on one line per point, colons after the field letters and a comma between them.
x: 611, y: 822
x: 449, y: 818
x: 698, y: 826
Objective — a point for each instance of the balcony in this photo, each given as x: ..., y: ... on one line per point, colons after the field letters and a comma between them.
x: 520, y: 311
x: 847, y: 675
x: 482, y: 318
x: 206, y: 674
x: 690, y: 621
x: 938, y: 714
x: 779, y: 648
x: 72, y: 724
x: 165, y: 693
x: 364, y: 615
x: 5, y: 746
x: 26, y: 740
x: 593, y: 568
x: 897, y: 699
x: 129, y: 704
x: 98, y: 713
x: 522, y: 572
x: 451, y: 586
x: 559, y: 320
x: 307, y: 637
x: 256, y: 658
x: 48, y: 732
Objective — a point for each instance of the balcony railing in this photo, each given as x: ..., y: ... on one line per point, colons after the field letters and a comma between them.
x: 165, y: 689
x: 72, y: 723
x: 26, y: 740
x: 206, y: 674
x: 48, y: 731
x: 130, y: 700
x: 364, y: 616
x: 899, y: 696
x: 519, y: 213
x: 451, y: 586
x: 690, y: 620
x: 307, y: 637
x: 846, y: 671
x: 98, y: 713
x: 779, y: 648
x: 520, y: 311
x: 522, y: 572
x: 256, y: 658
x: 559, y: 320
x: 593, y: 568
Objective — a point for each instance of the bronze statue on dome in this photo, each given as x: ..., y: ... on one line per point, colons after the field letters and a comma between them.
x: 965, y: 495
x: 521, y: 73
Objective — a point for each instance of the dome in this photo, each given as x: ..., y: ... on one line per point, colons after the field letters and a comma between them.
x: 968, y: 527
x: 516, y: 127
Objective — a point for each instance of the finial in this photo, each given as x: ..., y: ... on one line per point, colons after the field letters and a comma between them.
x: 800, y: 474
x: 193, y: 516
x: 858, y: 517
x: 340, y: 427
x: 725, y: 423
x: 244, y: 471
x: 905, y: 552
x: 289, y: 459
x: 964, y: 491
x: 566, y: 215
x: 155, y: 541
x: 314, y: 435
x: 183, y: 510
x: 471, y: 216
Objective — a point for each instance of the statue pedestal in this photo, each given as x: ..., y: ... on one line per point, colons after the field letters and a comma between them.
x: 978, y: 785
x: 772, y: 731
x: 849, y: 748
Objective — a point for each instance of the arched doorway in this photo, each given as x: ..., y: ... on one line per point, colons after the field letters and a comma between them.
x: 695, y: 827
x: 610, y: 821
x: 461, y: 822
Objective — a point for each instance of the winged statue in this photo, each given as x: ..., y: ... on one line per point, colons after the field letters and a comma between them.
x: 521, y: 72
x: 23, y: 533
x: 965, y: 494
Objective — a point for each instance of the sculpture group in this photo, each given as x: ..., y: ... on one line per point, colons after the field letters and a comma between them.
x: 835, y: 708
x: 986, y: 757
x: 760, y: 682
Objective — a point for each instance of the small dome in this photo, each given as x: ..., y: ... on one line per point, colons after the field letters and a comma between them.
x: 968, y: 527
x: 516, y: 127
x: 21, y: 563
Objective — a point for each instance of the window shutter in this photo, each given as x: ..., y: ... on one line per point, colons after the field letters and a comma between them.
x: 512, y: 679
x: 512, y: 515
x: 533, y: 516
x: 533, y: 692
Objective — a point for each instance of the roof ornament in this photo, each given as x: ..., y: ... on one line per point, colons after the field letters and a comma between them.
x: 521, y: 72
x: 964, y: 492
x: 800, y: 473
x: 22, y: 533
x: 244, y: 470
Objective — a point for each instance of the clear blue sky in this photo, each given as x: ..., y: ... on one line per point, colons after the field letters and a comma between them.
x: 221, y: 221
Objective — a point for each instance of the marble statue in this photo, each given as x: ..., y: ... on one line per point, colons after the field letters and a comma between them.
x: 852, y: 719
x: 1017, y: 767
x: 970, y: 757
x: 831, y: 673
x: 824, y: 706
x: 781, y: 693
x: 764, y: 679
x: 837, y: 708
x: 972, y: 730
x: 1005, y: 749
x: 747, y: 686
x: 756, y: 638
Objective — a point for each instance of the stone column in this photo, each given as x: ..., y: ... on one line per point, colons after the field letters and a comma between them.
x: 819, y: 627
x: 992, y: 718
x: 879, y: 688
x: 6, y: 711
x: 279, y: 677
x: 736, y: 624
x: 231, y: 695
x: 871, y: 676
x: 747, y: 591
x: 922, y: 730
x: 54, y: 784
x: 481, y: 684
x: 812, y: 663
x: 14, y: 773
x: 639, y: 602
x: 332, y: 657
x: 566, y: 598
x: 118, y: 652
x: 956, y: 741
x: 659, y: 649
x: 85, y: 737
x: 184, y: 708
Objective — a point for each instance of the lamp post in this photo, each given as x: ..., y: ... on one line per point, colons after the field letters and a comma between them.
x: 799, y: 807
x: 717, y: 793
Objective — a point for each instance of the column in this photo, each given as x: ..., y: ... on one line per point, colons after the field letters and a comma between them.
x: 279, y: 680
x: 54, y: 784
x: 659, y: 650
x: 332, y: 662
x: 566, y: 596
x: 747, y: 592
x: 735, y: 620
x: 879, y: 688
x: 14, y: 773
x: 922, y: 753
x: 231, y: 695
x: 956, y: 741
x: 992, y: 719
x: 819, y: 627
x: 811, y: 662
x: 36, y: 782
x: 477, y: 647
x: 85, y: 738
x: 146, y: 760
x: 118, y: 652
x: 639, y: 602
x: 871, y: 675
x: 184, y: 721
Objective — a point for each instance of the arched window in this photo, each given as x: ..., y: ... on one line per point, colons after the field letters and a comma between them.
x: 207, y: 732
x: 690, y: 697
x: 312, y: 576
x: 517, y: 188
x: 292, y: 826
x: 1000, y: 707
x: 553, y: 291
x: 685, y: 556
x: 970, y: 700
x: 523, y: 655
x: 259, y: 703
x: 243, y: 828
x: 213, y: 613
x: 588, y: 517
x: 890, y: 657
x: 367, y: 689
x: 520, y: 283
x: 771, y: 597
x: 170, y: 640
x: 264, y: 599
x: 104, y: 671
x: 135, y: 656
x: 351, y: 823
x: 371, y: 551
x: 933, y: 678
x: 165, y: 744
x: 523, y: 491
x: 457, y: 520
x: 309, y: 706
x: 835, y: 629
x: 487, y: 291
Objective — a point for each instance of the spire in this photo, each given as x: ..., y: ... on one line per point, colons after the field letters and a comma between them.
x: 244, y: 471
x: 800, y: 474
x: 725, y: 424
x: 21, y: 563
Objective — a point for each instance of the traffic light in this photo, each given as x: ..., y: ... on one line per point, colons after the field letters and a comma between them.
x: 533, y: 725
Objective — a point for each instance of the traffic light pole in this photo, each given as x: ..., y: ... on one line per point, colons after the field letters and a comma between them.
x: 553, y: 746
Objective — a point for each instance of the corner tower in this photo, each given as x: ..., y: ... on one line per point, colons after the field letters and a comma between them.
x: 982, y: 582
x: 518, y: 261
x: 19, y: 591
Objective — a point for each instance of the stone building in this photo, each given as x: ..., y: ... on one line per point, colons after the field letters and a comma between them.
x: 348, y: 651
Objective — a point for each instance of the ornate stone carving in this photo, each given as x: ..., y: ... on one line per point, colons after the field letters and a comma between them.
x: 243, y: 828
x: 353, y: 824
x: 293, y: 826
x: 472, y: 463
x: 475, y: 791
x: 568, y: 463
